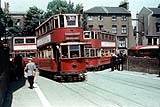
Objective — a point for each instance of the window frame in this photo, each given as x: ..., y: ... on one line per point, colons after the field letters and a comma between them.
x: 124, y: 29
x: 114, y: 17
x: 114, y: 29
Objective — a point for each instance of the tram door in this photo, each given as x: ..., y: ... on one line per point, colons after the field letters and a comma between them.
x: 56, y: 52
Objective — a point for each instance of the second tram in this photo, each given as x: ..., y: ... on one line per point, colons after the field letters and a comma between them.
x: 24, y: 47
x: 61, y: 48
x: 100, y: 46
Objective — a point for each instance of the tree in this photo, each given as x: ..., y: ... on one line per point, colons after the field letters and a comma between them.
x: 61, y: 6
x: 33, y: 18
x: 124, y: 4
x: 2, y: 23
x: 159, y: 6
x: 79, y: 9
x: 56, y: 7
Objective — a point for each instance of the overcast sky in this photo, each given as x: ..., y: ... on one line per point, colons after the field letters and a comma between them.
x: 134, y: 5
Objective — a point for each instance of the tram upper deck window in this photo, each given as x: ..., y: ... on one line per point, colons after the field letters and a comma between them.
x: 61, y: 21
x: 30, y: 40
x: 74, y: 51
x: 92, y: 35
x: 96, y: 35
x: 56, y: 22
x: 86, y: 35
x: 71, y: 20
x: 19, y: 41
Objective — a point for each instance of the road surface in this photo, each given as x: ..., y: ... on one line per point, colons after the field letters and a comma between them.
x: 101, y: 89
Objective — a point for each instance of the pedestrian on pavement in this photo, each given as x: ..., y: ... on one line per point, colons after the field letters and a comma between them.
x: 121, y: 61
x: 118, y: 62
x: 113, y: 62
x: 30, y: 70
x: 19, y: 66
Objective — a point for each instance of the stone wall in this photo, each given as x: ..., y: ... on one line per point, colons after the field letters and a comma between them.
x: 143, y: 64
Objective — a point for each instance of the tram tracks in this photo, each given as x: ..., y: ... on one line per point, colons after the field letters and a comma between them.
x: 131, y: 82
x: 102, y: 93
x: 79, y: 93
x: 142, y: 78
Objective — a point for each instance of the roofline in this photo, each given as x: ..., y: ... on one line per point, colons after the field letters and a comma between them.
x: 18, y: 12
x: 106, y: 11
x: 107, y: 14
x: 52, y: 17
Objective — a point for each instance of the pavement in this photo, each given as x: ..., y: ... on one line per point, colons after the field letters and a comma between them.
x: 20, y: 95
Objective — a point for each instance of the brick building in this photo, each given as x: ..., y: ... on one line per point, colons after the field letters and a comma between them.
x: 115, y: 20
x: 148, y: 26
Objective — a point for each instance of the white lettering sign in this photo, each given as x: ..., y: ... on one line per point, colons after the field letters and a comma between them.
x: 72, y: 33
x: 44, y: 40
x: 25, y: 47
x: 108, y: 44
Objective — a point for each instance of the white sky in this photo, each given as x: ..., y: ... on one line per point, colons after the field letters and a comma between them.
x: 134, y: 5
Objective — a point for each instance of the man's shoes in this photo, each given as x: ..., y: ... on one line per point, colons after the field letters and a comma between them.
x: 31, y: 87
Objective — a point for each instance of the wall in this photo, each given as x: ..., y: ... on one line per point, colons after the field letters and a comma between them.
x: 142, y: 64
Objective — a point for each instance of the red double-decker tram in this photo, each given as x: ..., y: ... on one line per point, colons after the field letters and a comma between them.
x: 61, y: 48
x: 100, y: 46
x: 24, y: 47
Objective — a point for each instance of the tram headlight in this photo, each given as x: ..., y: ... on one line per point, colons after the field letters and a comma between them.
x: 74, y: 65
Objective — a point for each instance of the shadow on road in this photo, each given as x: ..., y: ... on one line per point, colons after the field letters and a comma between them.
x: 13, y: 86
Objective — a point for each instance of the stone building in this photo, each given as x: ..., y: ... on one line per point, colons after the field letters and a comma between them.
x: 148, y: 26
x: 115, y: 20
x: 18, y: 18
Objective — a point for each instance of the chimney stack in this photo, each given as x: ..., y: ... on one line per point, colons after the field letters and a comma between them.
x: 6, y: 7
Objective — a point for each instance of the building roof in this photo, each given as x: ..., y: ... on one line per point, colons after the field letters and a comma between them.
x: 156, y: 11
x: 18, y: 13
x: 108, y: 10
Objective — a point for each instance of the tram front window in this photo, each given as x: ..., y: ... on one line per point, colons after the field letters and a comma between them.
x: 74, y: 51
x: 64, y: 51
x: 71, y: 20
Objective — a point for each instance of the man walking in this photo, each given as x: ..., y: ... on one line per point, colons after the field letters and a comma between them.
x: 113, y: 62
x: 30, y: 69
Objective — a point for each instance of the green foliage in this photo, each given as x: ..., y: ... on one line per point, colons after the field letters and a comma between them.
x: 159, y: 6
x: 79, y: 9
x: 61, y: 6
x: 15, y: 31
x: 56, y: 7
x: 33, y: 18
x: 124, y: 4
x: 2, y: 23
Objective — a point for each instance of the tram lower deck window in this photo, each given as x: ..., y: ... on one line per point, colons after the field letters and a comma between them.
x: 74, y: 51
x: 64, y: 51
